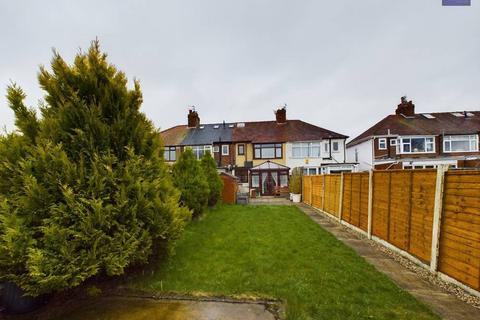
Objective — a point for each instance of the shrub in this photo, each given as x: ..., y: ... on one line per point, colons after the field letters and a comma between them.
x: 190, y: 179
x: 83, y: 189
x: 296, y: 181
x: 214, y: 181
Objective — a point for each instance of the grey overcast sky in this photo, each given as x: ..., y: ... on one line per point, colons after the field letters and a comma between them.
x: 339, y: 64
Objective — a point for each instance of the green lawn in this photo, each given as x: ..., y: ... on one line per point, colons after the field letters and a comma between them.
x: 278, y: 251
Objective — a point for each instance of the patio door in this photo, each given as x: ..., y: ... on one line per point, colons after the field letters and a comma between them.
x: 268, y: 183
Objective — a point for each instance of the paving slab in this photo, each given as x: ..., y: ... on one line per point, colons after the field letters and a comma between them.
x: 441, y: 302
x: 271, y: 201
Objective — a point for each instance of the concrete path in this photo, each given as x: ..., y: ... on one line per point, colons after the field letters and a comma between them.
x: 442, y: 303
x: 270, y: 201
x: 125, y: 308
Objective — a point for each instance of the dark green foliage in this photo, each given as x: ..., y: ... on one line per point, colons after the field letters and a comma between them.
x: 190, y: 179
x: 214, y: 181
x: 83, y: 189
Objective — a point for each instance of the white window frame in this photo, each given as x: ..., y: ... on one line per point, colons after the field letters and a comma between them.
x: 225, y: 153
x: 471, y: 138
x: 196, y: 149
x: 309, y: 146
x: 400, y: 144
x: 216, y: 149
x: 382, y: 141
x: 393, y: 142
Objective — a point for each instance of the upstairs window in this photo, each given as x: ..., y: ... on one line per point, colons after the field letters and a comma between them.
x: 302, y: 150
x: 225, y: 150
x: 241, y: 149
x: 417, y: 145
x: 335, y: 147
x: 326, y: 148
x: 267, y: 151
x: 169, y: 154
x: 199, y: 151
x: 382, y: 144
x: 464, y: 143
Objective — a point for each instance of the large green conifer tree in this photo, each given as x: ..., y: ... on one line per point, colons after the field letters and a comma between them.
x: 83, y: 188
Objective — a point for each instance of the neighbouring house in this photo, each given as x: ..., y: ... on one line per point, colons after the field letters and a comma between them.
x: 261, y: 153
x: 409, y: 140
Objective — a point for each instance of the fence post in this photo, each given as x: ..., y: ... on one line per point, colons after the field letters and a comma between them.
x: 370, y: 203
x: 340, y: 198
x: 437, y: 216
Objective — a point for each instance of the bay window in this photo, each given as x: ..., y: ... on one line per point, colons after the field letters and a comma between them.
x: 267, y: 151
x: 306, y: 150
x: 417, y: 145
x: 169, y: 154
x: 463, y: 143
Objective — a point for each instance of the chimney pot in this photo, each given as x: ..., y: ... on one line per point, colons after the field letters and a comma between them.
x: 281, y: 115
x: 193, y: 118
x: 407, y: 108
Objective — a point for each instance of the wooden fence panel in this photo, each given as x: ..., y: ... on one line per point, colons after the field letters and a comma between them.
x: 421, y: 219
x: 317, y: 189
x: 381, y: 204
x: 459, y: 255
x: 307, y: 189
x: 355, y: 199
x: 400, y: 205
x: 332, y: 196
x: 363, y: 224
x: 347, y: 198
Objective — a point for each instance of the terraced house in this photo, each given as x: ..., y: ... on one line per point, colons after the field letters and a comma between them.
x: 261, y: 153
x: 409, y: 140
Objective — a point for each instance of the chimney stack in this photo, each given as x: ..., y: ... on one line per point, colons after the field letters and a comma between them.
x: 281, y: 115
x: 193, y: 118
x: 407, y: 108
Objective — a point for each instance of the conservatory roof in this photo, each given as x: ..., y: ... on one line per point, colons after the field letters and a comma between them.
x: 268, y: 165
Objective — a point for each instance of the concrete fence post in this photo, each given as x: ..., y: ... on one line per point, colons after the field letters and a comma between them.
x: 437, y: 216
x: 340, y: 198
x: 370, y: 203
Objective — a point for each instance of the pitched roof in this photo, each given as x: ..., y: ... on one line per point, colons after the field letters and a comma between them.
x: 271, y: 131
x: 174, y: 135
x: 436, y: 123
x: 208, y: 134
x: 269, y: 165
x: 256, y: 132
